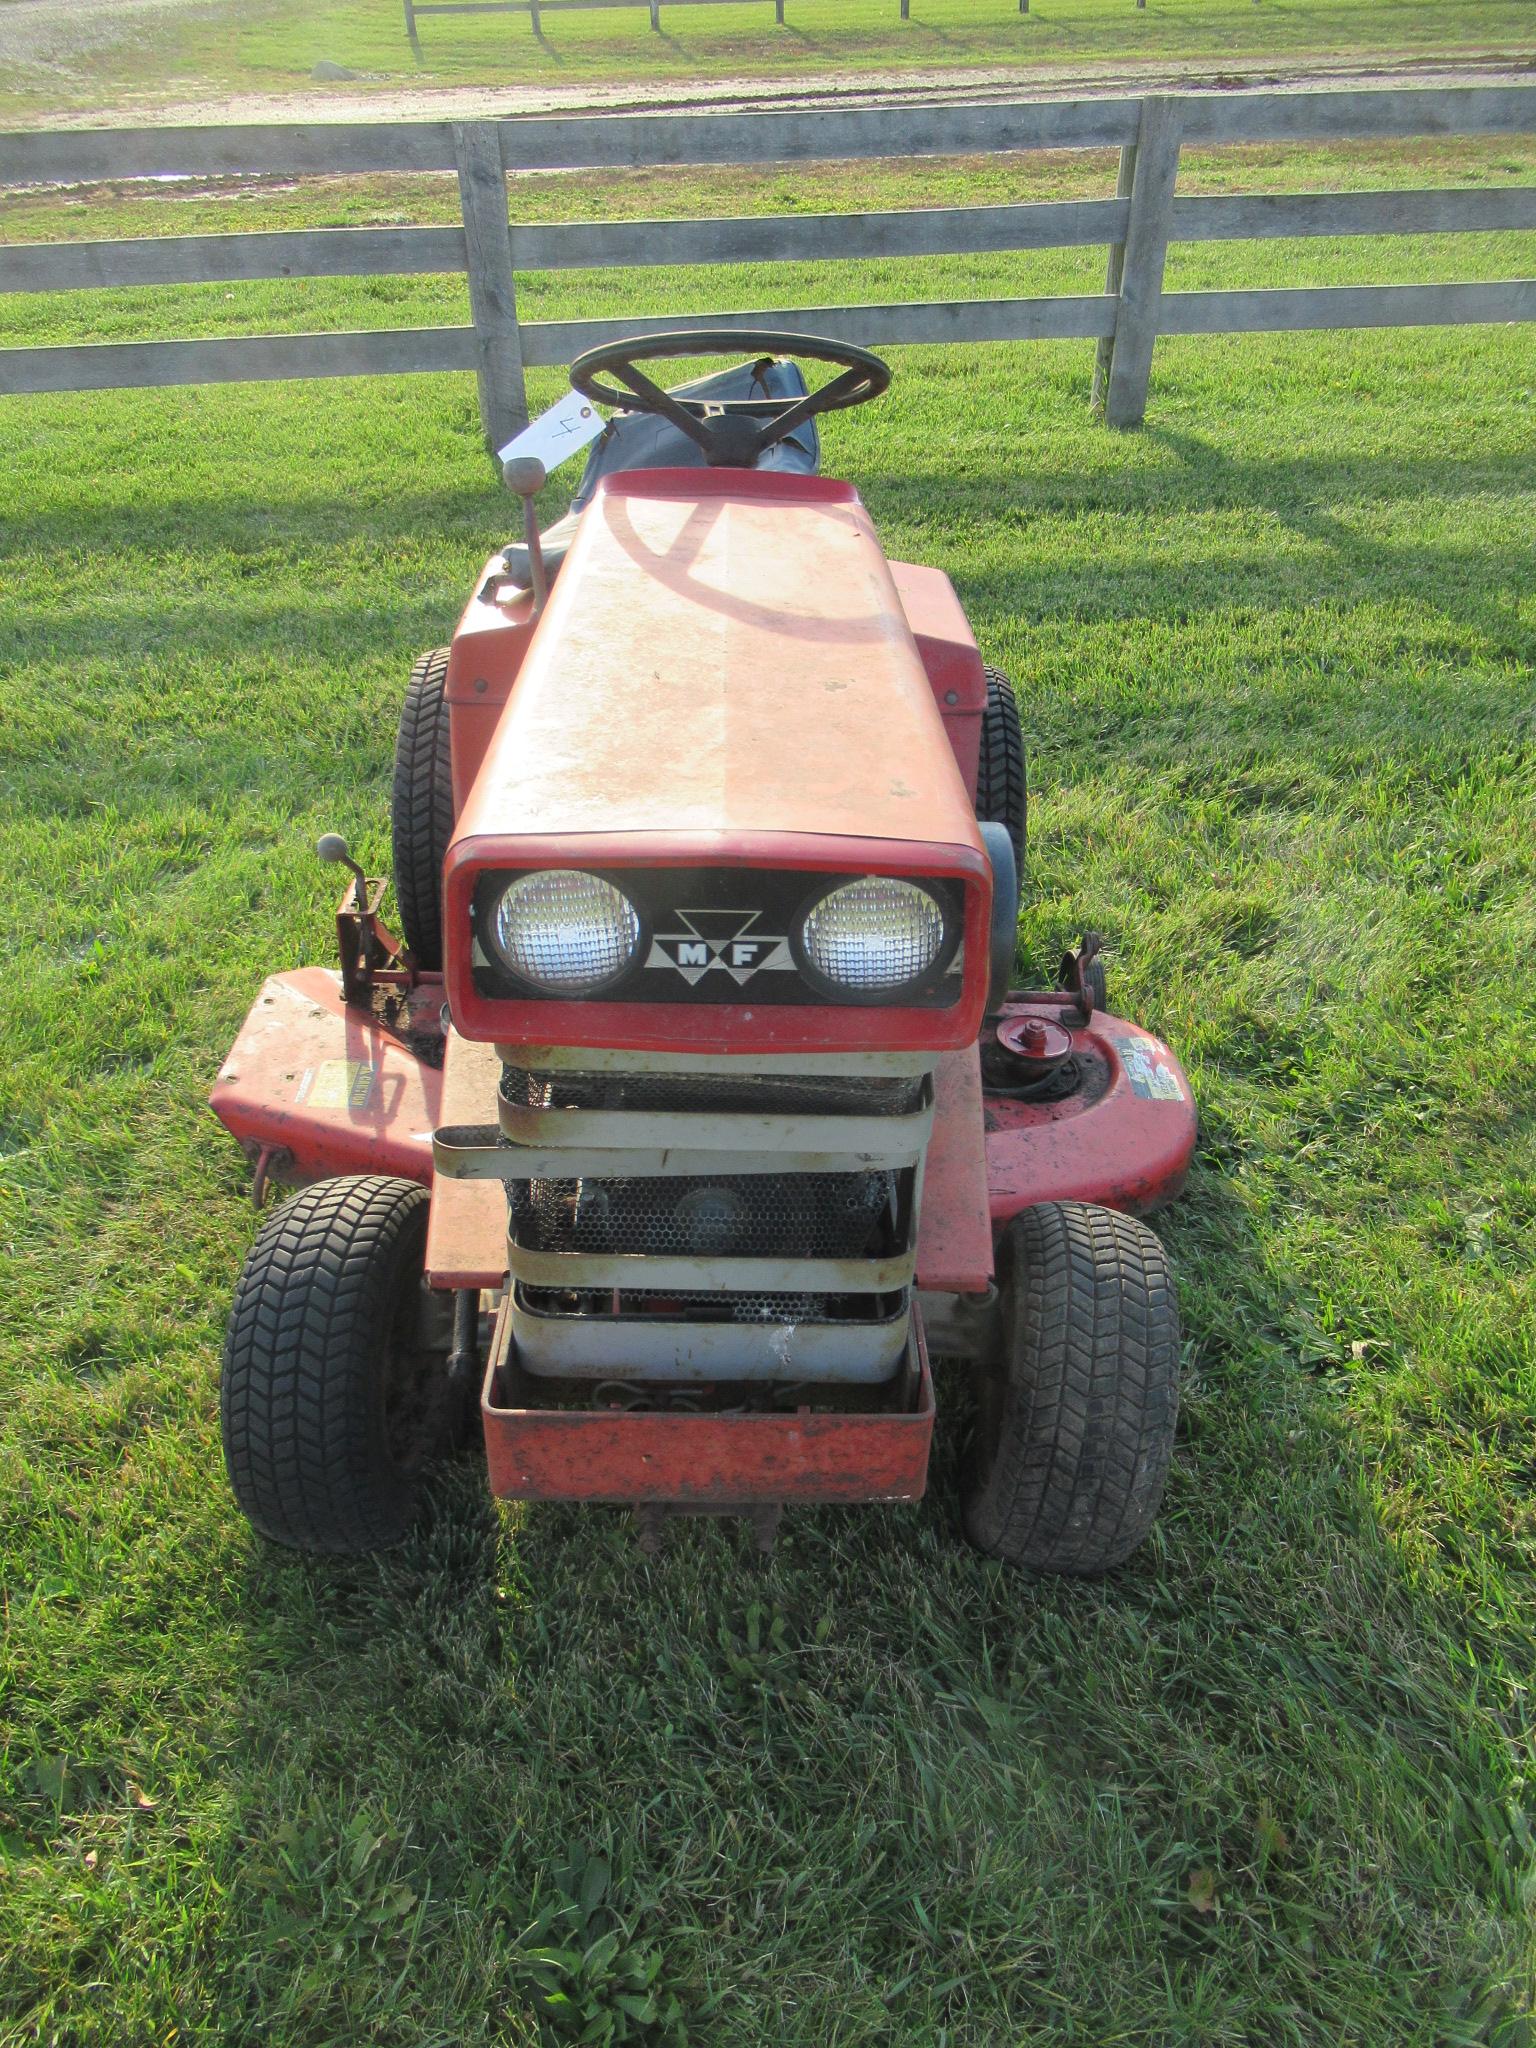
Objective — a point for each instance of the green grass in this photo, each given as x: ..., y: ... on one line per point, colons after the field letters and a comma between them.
x: 1274, y: 1782
x: 272, y: 45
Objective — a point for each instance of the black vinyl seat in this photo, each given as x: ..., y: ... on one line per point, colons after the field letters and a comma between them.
x: 641, y: 441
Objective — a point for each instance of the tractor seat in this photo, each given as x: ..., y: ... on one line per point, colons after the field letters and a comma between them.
x: 640, y: 441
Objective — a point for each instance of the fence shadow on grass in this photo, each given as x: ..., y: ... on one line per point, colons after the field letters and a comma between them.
x: 1200, y: 478
x: 1475, y: 584
x: 243, y: 519
x: 1294, y: 492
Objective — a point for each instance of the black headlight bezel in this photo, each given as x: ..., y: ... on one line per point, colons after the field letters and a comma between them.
x: 771, y: 902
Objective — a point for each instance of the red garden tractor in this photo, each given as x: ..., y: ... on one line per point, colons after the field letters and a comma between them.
x: 691, y: 1107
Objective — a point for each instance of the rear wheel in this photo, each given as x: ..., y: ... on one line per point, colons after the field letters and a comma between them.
x: 335, y: 1391
x: 1075, y: 1422
x: 1001, y: 783
x: 421, y: 808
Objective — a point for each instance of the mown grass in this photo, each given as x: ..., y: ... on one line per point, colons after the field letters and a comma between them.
x: 1273, y: 1782
x: 272, y: 45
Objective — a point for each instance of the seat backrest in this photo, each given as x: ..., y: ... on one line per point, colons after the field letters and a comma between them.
x: 636, y: 440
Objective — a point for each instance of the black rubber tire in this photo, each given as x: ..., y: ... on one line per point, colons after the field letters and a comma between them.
x: 1075, y: 1426
x: 421, y: 808
x: 1002, y: 791
x: 329, y: 1402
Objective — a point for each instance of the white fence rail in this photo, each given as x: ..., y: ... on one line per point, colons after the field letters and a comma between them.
x: 1136, y: 226
x: 537, y: 9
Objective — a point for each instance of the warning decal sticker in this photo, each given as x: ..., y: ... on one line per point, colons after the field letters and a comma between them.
x: 337, y: 1084
x: 1150, y: 1070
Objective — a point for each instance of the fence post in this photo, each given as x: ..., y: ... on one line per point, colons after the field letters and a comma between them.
x: 1113, y: 272
x: 1143, y: 254
x: 656, y: 15
x: 492, y: 292
x: 778, y: 12
x: 906, y: 10
x: 410, y: 20
x: 533, y: 11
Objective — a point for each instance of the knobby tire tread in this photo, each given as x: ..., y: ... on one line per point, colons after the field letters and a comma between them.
x: 301, y: 1402
x: 1002, y: 795
x: 1091, y: 1334
x: 421, y: 808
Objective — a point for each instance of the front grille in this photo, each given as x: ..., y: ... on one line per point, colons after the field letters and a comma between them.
x: 612, y: 1270
x: 725, y: 1094
x: 727, y: 1215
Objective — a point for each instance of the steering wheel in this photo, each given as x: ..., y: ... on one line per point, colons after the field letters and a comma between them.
x: 732, y: 432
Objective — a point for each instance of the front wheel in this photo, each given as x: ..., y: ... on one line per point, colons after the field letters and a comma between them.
x: 335, y: 1390
x: 1075, y: 1421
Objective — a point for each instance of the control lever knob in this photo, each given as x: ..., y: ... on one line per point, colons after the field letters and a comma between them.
x: 524, y: 475
x: 332, y: 848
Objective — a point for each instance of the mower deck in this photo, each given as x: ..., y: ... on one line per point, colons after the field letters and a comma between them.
x: 314, y: 1085
x: 319, y: 1087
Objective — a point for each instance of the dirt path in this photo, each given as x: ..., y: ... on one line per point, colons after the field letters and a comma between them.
x: 852, y: 89
x: 41, y: 34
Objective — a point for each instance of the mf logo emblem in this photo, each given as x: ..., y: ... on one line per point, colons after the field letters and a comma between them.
x: 718, y: 938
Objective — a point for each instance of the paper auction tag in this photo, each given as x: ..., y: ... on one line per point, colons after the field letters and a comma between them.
x: 558, y: 434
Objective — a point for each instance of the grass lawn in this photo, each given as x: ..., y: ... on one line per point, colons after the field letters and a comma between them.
x: 128, y: 61
x: 1275, y: 1781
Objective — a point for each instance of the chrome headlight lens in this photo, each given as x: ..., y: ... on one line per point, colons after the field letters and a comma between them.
x: 874, y: 934
x: 565, y: 931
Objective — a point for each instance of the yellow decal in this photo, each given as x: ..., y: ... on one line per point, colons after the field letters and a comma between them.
x: 337, y: 1084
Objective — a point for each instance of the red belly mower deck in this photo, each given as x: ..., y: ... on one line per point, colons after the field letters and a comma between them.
x: 314, y: 1086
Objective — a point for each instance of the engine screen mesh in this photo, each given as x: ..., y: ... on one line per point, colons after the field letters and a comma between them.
x: 660, y: 1305
x: 721, y: 1216
x: 725, y: 1094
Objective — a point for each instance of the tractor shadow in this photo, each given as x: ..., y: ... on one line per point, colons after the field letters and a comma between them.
x: 875, y: 1697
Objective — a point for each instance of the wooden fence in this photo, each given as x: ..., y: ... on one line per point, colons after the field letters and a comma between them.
x: 1125, y: 319
x: 537, y: 9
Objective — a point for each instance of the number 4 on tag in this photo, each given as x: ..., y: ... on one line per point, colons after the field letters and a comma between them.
x: 558, y: 434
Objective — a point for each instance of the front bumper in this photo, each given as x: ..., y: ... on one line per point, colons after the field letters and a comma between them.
x: 722, y: 1454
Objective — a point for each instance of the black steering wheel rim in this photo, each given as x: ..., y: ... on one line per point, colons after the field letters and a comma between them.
x: 732, y: 433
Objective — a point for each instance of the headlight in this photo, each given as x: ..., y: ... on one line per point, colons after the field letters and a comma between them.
x: 565, y: 931
x: 874, y: 934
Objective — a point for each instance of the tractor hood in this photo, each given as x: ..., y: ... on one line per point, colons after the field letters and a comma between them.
x: 724, y: 680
